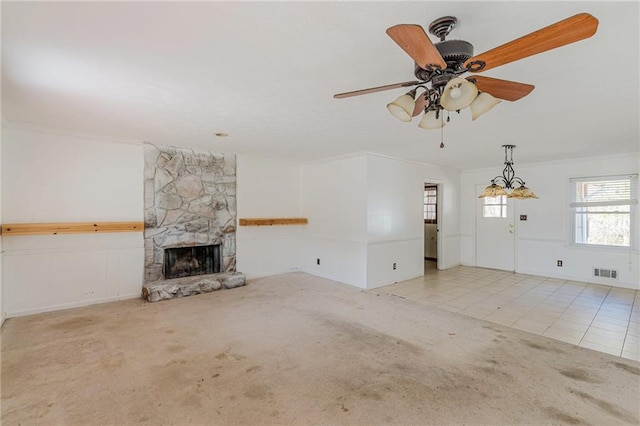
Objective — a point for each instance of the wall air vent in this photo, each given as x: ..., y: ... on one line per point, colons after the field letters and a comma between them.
x: 605, y: 273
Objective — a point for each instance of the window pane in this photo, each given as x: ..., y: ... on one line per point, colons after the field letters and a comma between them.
x: 495, y: 206
x: 603, y: 210
x: 430, y: 204
x: 492, y: 211
x: 501, y: 199
x: 612, y: 229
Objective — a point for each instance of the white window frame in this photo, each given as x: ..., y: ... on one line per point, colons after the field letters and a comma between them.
x: 574, y: 205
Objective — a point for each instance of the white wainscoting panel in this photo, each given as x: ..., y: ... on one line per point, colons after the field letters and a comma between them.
x: 79, y: 270
x: 408, y: 255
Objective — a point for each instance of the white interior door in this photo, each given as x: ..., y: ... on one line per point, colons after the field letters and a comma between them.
x: 495, y: 232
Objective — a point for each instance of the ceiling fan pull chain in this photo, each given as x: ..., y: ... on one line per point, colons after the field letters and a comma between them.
x: 442, y: 133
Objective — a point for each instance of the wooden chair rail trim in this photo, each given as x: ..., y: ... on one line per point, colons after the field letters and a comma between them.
x: 274, y: 221
x: 9, y: 229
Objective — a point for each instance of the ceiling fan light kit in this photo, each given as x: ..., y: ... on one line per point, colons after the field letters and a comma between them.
x: 439, y: 67
x: 402, y: 108
x: 481, y: 104
x: 431, y: 120
x: 458, y: 94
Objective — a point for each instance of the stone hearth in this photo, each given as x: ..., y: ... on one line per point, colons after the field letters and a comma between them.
x: 188, y: 286
x: 190, y: 201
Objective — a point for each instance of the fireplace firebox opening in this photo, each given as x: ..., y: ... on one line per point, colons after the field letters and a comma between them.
x: 188, y: 261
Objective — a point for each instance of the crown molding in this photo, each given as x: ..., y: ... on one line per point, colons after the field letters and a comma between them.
x: 556, y: 162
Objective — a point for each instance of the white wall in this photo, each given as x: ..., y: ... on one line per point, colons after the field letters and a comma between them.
x: 53, y: 177
x: 365, y: 214
x: 3, y: 314
x: 394, y: 221
x: 364, y: 211
x: 49, y: 176
x: 395, y: 231
x: 545, y: 237
x: 334, y: 199
x: 267, y: 189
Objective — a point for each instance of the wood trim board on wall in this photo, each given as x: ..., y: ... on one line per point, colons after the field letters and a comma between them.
x: 274, y: 221
x: 69, y: 228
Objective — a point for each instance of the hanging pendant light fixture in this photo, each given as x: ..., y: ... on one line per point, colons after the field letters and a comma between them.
x: 509, y: 180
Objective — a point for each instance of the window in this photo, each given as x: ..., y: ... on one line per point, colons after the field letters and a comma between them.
x: 431, y: 204
x: 494, y: 206
x: 603, y: 210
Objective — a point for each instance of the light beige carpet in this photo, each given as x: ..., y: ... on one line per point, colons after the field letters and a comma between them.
x: 297, y: 349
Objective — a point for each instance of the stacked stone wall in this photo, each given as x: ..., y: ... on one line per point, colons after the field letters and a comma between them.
x: 190, y: 200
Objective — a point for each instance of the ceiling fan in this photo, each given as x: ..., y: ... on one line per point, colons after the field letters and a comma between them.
x: 439, y: 66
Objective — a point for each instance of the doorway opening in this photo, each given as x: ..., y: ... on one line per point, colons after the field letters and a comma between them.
x: 432, y: 222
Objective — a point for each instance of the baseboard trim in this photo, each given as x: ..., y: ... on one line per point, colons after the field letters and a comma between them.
x: 334, y: 278
x: 590, y: 280
x: 64, y: 306
x: 399, y: 280
x: 272, y: 274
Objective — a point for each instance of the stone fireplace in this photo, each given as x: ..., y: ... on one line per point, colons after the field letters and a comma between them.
x: 190, y: 222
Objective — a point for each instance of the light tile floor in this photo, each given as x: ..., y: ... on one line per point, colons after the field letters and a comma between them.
x: 598, y: 317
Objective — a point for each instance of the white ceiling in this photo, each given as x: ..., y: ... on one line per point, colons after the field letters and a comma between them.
x: 265, y: 72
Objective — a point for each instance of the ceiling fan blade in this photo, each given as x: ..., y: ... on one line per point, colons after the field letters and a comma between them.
x: 567, y: 31
x: 413, y: 40
x: 421, y: 104
x: 375, y: 89
x: 502, y: 89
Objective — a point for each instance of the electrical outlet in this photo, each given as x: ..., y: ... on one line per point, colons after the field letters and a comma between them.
x: 317, y: 261
x: 560, y: 263
x: 394, y: 266
x: 523, y: 217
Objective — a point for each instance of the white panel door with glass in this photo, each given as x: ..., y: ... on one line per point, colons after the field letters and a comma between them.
x: 495, y: 232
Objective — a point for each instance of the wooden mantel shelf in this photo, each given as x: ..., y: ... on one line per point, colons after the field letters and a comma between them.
x: 70, y: 228
x: 274, y: 221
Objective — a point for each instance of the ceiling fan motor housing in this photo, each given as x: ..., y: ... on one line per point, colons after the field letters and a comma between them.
x: 455, y: 52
